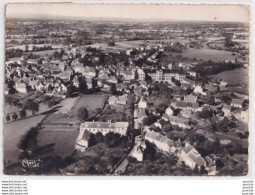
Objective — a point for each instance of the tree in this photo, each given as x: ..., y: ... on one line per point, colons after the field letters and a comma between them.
x: 69, y: 92
x: 53, y: 102
x: 210, y: 100
x: 147, y: 121
x: 22, y: 113
x: 136, y: 75
x: 112, y: 140
x: 14, y: 116
x: 26, y: 48
x: 83, y: 87
x: 150, y: 151
x: 7, y: 117
x: 113, y: 89
x: 32, y: 106
x: 99, y: 137
x: 148, y: 78
x: 29, y: 139
x: 206, y: 113
x: 82, y: 114
x: 94, y: 83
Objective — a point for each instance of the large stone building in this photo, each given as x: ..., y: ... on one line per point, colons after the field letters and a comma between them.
x: 88, y: 128
x: 164, y: 75
x: 105, y: 127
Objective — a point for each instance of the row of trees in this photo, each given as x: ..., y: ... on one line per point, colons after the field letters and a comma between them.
x: 31, y: 105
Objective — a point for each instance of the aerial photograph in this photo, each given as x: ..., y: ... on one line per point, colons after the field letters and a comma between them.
x: 126, y: 90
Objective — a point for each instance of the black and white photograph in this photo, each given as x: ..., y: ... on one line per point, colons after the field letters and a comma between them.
x: 126, y: 89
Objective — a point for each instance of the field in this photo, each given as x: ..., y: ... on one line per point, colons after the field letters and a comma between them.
x: 66, y: 105
x: 238, y: 78
x: 91, y: 102
x: 208, y: 54
x: 62, y: 142
x: 44, y: 53
x: 121, y: 45
x: 13, y: 132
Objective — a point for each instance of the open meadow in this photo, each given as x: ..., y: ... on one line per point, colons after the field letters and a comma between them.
x: 13, y: 132
x: 91, y: 102
x: 208, y: 54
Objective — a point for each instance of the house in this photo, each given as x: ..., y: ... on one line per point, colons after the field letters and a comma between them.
x: 122, y: 100
x: 237, y: 103
x: 112, y: 79
x: 75, y: 81
x: 78, y: 67
x: 141, y: 74
x: 158, y: 125
x: 186, y: 105
x: 188, y: 81
x: 190, y: 98
x: 106, y: 85
x: 181, y: 122
x: 139, y: 115
x: 121, y: 86
x: 210, y: 165
x: 162, y: 142
x: 6, y: 89
x: 223, y: 83
x: 199, y: 89
x: 137, y: 152
x: 21, y: 87
x: 127, y: 74
x: 103, y: 74
x: 32, y: 61
x: 142, y: 103
x: 89, y: 72
x: 82, y: 141
x: 226, y: 109
x: 178, y: 97
x: 192, y: 73
x: 242, y: 116
x: 61, y: 88
x: 186, y: 113
x: 55, y: 71
x: 64, y: 76
x: 169, y: 111
x: 191, y: 157
x: 105, y: 127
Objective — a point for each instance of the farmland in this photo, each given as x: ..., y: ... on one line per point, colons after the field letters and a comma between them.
x: 13, y: 132
x: 208, y: 54
x: 91, y: 102
x: 66, y: 105
x: 63, y: 142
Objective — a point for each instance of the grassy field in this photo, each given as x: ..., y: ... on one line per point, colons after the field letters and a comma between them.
x: 44, y: 53
x: 63, y: 142
x: 238, y: 78
x: 233, y: 77
x: 209, y: 54
x: 66, y: 105
x: 91, y: 102
x: 13, y: 132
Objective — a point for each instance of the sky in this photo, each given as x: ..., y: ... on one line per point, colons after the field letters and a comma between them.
x: 237, y: 13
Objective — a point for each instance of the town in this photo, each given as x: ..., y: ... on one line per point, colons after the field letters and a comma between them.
x: 126, y: 98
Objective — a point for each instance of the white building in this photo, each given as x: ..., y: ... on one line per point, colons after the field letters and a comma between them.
x: 191, y: 157
x: 82, y: 141
x: 105, y: 127
x: 162, y: 142
x: 141, y: 74
x: 142, y: 103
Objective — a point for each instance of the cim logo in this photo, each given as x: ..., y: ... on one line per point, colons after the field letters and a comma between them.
x: 31, y: 163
